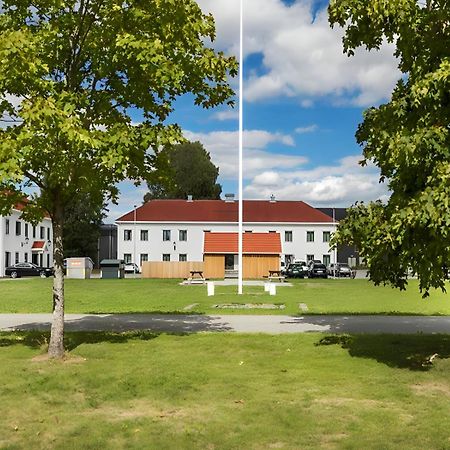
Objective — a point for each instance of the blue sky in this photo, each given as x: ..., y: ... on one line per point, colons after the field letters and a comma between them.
x: 303, y: 100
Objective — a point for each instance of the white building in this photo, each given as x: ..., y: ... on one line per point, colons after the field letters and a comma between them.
x: 22, y: 242
x: 173, y: 230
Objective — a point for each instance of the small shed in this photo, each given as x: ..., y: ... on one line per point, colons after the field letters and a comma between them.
x: 260, y: 253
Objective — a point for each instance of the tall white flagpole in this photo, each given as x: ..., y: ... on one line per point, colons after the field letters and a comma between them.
x: 241, y: 103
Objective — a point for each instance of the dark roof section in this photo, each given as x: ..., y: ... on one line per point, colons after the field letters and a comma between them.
x: 339, y: 213
x: 255, y: 211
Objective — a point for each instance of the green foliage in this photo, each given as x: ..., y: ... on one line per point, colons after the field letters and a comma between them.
x: 408, y: 138
x: 69, y: 73
x: 182, y: 170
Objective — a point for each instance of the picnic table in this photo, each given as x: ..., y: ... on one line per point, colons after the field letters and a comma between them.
x: 276, y: 275
x: 196, y: 276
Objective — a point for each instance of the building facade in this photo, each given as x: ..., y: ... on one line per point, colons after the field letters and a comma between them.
x: 23, y: 242
x: 174, y: 230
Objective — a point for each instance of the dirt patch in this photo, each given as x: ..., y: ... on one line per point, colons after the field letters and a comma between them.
x: 431, y: 388
x: 67, y: 359
x: 332, y: 441
x: 343, y: 401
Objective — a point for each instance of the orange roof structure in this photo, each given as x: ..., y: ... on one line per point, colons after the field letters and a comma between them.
x: 38, y: 245
x: 253, y: 243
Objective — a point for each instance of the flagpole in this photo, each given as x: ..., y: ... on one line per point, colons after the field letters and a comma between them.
x: 241, y: 103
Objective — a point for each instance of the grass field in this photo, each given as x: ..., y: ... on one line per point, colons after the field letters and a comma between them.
x: 137, y: 295
x: 217, y: 391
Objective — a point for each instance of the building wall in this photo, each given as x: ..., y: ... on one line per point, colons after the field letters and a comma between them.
x: 155, y: 247
x: 17, y: 245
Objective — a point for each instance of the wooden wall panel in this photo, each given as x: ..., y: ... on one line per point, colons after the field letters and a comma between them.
x: 214, y: 266
x: 170, y: 269
x: 257, y: 266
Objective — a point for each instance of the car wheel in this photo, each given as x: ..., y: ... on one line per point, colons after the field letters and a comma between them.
x: 43, y: 274
x: 14, y: 274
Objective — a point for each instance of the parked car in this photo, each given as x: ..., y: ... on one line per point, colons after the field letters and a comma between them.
x: 283, y: 268
x: 339, y: 270
x: 304, y: 266
x: 28, y: 270
x: 313, y: 261
x: 295, y: 270
x: 317, y: 270
x: 131, y: 268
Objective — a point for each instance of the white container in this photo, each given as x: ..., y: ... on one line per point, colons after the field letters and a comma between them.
x: 273, y: 289
x: 266, y: 287
x: 210, y: 288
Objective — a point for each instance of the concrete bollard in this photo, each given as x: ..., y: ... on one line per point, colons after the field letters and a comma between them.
x: 273, y: 289
x: 266, y: 287
x: 210, y: 287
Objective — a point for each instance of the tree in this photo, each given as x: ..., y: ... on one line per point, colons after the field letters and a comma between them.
x: 182, y: 170
x: 71, y: 74
x: 407, y: 138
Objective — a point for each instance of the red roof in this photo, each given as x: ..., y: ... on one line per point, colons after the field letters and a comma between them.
x: 221, y: 211
x: 38, y: 244
x: 254, y: 243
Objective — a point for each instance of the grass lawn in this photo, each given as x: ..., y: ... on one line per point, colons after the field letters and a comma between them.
x: 226, y: 391
x: 137, y: 295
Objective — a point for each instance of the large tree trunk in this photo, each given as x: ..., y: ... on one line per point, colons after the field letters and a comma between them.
x: 56, y: 346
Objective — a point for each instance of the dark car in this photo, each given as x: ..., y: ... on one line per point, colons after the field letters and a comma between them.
x: 317, y: 270
x: 295, y: 270
x: 28, y: 270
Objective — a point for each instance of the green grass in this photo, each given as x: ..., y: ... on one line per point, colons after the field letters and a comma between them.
x: 138, y: 295
x: 226, y: 391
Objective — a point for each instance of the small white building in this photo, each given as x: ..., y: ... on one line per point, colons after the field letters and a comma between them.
x: 22, y: 242
x: 174, y: 230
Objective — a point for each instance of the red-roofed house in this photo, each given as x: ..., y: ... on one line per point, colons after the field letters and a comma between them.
x: 180, y: 230
x: 22, y: 242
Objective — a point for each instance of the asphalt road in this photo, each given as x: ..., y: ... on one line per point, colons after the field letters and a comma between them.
x: 193, y: 323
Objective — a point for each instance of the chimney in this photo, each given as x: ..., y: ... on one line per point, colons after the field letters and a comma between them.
x: 272, y: 199
x: 189, y: 199
x: 229, y: 198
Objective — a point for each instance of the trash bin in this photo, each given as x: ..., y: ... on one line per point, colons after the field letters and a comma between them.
x: 79, y: 268
x: 112, y: 268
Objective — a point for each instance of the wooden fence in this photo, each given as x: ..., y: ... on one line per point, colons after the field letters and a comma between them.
x: 170, y: 269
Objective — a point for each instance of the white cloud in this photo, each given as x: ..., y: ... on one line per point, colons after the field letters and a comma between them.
x: 302, y: 56
x: 229, y: 114
x: 223, y: 147
x: 338, y: 185
x: 307, y: 129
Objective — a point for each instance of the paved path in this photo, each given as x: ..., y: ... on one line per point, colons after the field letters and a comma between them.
x: 192, y: 323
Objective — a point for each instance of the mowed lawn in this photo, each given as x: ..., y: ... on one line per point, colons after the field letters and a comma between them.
x: 226, y: 391
x: 330, y: 296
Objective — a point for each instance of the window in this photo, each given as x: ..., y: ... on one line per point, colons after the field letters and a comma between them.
x: 48, y: 260
x: 49, y: 238
x: 288, y: 236
x: 17, y: 257
x: 248, y: 231
x: 288, y: 259
x: 326, y: 236
x: 42, y: 232
x: 34, y: 232
x: 7, y: 259
x: 18, y: 228
x: 206, y: 231
x: 182, y: 235
x: 144, y: 257
x: 326, y: 259
x: 26, y: 257
x: 26, y: 230
x: 310, y: 236
x: 309, y: 257
x: 272, y: 231
x: 127, y: 235
x: 127, y: 258
x: 182, y: 257
x: 166, y: 257
x: 144, y: 235
x: 166, y: 236
x: 6, y: 226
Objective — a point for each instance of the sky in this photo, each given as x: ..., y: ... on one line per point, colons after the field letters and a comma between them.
x: 303, y: 101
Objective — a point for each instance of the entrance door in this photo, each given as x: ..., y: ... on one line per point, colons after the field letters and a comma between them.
x: 34, y: 258
x: 229, y: 262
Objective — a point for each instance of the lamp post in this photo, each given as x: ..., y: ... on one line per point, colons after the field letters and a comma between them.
x: 241, y: 104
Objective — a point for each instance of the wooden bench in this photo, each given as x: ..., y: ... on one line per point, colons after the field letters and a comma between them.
x: 196, y: 277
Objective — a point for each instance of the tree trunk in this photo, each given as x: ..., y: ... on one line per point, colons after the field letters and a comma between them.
x: 56, y: 346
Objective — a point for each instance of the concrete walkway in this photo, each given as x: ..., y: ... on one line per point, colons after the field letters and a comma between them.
x: 193, y: 323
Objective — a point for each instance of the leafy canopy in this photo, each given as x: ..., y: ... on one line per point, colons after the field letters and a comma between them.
x: 182, y: 170
x: 407, y: 138
x: 70, y: 73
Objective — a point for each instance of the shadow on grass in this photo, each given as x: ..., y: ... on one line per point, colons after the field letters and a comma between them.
x: 39, y: 339
x: 413, y: 352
